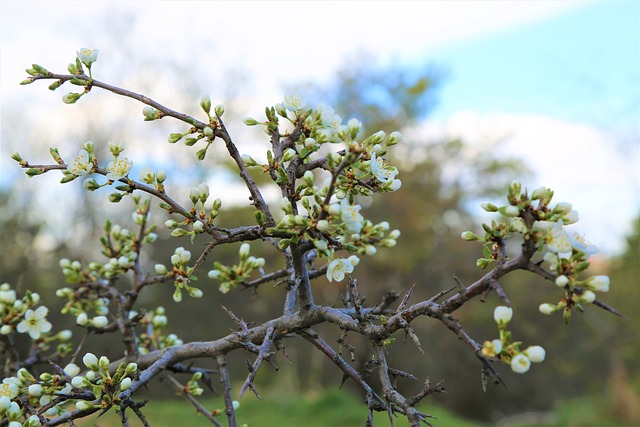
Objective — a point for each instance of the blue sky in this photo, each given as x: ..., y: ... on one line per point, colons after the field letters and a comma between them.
x: 559, y: 80
x: 583, y: 64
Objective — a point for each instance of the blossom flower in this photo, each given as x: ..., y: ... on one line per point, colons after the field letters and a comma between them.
x: 9, y: 388
x: 502, y: 315
x: 351, y: 216
x: 87, y: 56
x: 520, y: 364
x: 381, y: 170
x: 580, y: 244
x: 119, y: 168
x: 338, y: 268
x: 81, y: 165
x: 35, y: 322
x: 492, y: 348
x: 294, y: 102
x: 557, y: 240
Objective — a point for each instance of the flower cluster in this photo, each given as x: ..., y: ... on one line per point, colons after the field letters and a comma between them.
x: 26, y: 316
x: 104, y: 383
x: 509, y: 352
x: 232, y: 277
x: 565, y: 253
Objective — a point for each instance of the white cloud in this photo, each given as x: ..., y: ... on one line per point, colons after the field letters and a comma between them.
x: 577, y: 161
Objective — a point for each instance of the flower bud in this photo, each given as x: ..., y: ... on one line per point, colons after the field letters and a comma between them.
x: 547, y: 308
x: 562, y: 281
x: 520, y: 364
x: 248, y: 160
x: 502, y: 315
x: 469, y: 236
x: 90, y: 361
x: 125, y: 384
x: 244, y: 251
x: 535, y: 353
x: 82, y: 319
x: 35, y: 390
x: 151, y: 113
x: 205, y: 103
x: 219, y: 110
x: 72, y: 369
x: 100, y: 321
x: 598, y: 283
x: 71, y: 98
x: 322, y: 225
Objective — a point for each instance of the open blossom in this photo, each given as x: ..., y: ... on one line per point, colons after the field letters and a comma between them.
x: 81, y: 165
x: 338, y: 268
x: 557, y: 240
x: 381, y: 170
x: 119, y: 168
x: 294, y: 102
x: 87, y: 56
x: 9, y: 387
x: 351, y: 216
x: 35, y: 322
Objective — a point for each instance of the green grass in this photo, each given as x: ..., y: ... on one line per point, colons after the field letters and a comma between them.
x: 329, y: 409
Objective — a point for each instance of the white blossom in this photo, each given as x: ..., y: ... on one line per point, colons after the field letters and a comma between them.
x: 35, y: 322
x: 351, y: 216
x: 119, y: 168
x: 81, y: 165
x: 338, y: 268
x: 87, y: 56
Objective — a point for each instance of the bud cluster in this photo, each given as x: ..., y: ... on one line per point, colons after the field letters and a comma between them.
x: 508, y: 352
x: 232, y: 277
x: 565, y: 253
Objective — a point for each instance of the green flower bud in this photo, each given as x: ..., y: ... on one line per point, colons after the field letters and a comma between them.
x: 205, y: 103
x: 28, y: 81
x: 200, y: 155
x: 90, y: 184
x: 219, y: 110
x: 55, y: 85
x: 207, y: 131
x: 489, y: 207
x: 175, y: 137
x: 151, y: 113
x: 248, y: 160
x: 249, y: 121
x: 115, y: 197
x: 34, y: 171
x: 469, y: 236
x: 179, y: 232
x: 71, y: 98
